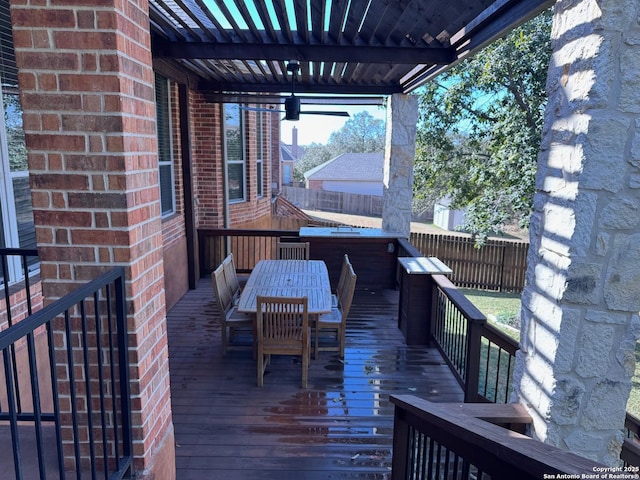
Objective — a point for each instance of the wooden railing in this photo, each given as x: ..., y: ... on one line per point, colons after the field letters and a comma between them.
x: 481, y: 356
x: 248, y: 247
x: 630, y: 454
x: 438, y: 440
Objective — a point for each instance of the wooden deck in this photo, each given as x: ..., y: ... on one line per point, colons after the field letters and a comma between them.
x: 340, y: 427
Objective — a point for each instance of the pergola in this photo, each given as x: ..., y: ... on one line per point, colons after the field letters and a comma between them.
x: 238, y: 51
x: 345, y: 47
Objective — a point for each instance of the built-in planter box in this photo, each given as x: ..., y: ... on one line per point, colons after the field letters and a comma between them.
x: 416, y: 296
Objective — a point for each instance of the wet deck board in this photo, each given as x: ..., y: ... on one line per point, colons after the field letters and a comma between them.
x: 340, y: 427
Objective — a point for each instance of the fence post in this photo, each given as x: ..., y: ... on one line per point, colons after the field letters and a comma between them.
x: 504, y: 251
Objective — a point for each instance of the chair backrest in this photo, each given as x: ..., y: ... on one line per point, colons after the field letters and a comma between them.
x: 221, y: 289
x: 282, y: 318
x: 343, y: 274
x: 292, y: 250
x: 230, y: 275
x: 345, y: 297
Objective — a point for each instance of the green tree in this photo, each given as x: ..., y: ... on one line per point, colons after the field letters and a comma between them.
x: 314, y: 155
x: 480, y: 127
x: 362, y: 133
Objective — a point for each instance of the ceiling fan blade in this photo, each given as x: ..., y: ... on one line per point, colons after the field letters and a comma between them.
x: 320, y: 112
x: 258, y: 109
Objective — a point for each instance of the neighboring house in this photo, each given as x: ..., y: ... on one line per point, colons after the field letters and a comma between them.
x: 289, y: 155
x: 360, y: 173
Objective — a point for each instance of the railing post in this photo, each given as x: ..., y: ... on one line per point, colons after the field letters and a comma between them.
x: 435, y: 306
x: 400, y: 447
x: 472, y: 362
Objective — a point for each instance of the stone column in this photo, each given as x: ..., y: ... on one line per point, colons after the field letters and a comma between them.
x: 580, y: 307
x: 87, y: 92
x: 399, y: 155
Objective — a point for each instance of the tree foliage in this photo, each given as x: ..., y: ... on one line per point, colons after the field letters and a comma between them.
x: 480, y: 127
x: 362, y: 133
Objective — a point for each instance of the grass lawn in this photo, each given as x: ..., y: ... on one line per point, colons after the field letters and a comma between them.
x: 503, y: 310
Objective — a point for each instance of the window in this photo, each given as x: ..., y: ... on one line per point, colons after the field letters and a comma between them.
x: 16, y: 213
x: 165, y: 150
x: 234, y: 152
x: 260, y: 154
x: 286, y: 175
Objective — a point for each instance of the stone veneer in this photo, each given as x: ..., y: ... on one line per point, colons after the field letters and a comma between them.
x: 399, y: 155
x: 580, y: 306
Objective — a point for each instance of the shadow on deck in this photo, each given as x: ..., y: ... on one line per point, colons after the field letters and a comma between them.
x: 340, y: 427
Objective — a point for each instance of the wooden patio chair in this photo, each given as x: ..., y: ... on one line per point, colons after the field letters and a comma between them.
x: 231, y: 276
x: 230, y: 317
x: 343, y: 277
x: 292, y: 250
x: 282, y: 329
x: 336, y: 321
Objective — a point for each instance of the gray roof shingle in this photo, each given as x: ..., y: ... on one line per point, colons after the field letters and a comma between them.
x: 350, y: 166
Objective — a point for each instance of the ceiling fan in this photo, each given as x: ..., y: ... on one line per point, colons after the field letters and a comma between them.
x: 292, y: 110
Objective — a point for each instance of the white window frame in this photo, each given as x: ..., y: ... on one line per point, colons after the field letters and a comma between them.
x: 170, y: 161
x: 9, y: 221
x: 242, y: 161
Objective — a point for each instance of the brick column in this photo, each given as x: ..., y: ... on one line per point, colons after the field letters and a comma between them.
x: 89, y: 117
x: 580, y: 306
x: 399, y: 155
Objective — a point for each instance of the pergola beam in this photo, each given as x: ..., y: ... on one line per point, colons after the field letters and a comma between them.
x: 332, y: 89
x: 311, y: 53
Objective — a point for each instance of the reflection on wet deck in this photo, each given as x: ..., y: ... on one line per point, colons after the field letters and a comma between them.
x: 340, y: 427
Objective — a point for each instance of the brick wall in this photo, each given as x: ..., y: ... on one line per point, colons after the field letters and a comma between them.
x: 89, y: 118
x: 314, y: 184
x: 274, y: 131
x: 207, y: 161
x: 208, y: 164
x: 18, y: 303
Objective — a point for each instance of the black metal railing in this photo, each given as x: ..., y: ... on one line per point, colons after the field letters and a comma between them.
x: 455, y: 329
x: 496, y: 360
x: 16, y: 265
x: 65, y: 399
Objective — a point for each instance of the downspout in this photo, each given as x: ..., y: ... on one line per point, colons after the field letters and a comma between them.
x: 225, y: 181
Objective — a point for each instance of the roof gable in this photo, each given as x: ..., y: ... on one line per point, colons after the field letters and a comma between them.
x: 350, y: 166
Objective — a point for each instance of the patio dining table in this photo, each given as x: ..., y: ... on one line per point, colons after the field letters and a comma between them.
x: 288, y: 278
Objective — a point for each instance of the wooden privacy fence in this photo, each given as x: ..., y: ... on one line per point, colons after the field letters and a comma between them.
x: 498, y: 265
x: 339, y: 202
